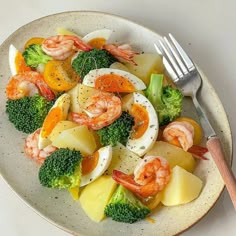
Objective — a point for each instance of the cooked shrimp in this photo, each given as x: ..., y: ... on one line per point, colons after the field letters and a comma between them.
x: 62, y: 46
x: 182, y: 131
x: 32, y: 151
x: 27, y: 84
x: 101, y: 110
x: 121, y: 52
x: 151, y: 175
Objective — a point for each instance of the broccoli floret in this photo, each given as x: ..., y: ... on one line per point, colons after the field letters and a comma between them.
x: 125, y: 207
x: 93, y: 59
x: 166, y: 100
x: 34, y: 55
x: 62, y: 169
x: 28, y: 113
x: 118, y: 131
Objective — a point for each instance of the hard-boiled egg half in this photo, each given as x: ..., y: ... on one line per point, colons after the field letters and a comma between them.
x: 145, y: 130
x: 113, y: 80
x: 16, y: 61
x: 95, y: 165
x: 97, y: 38
x: 58, y: 112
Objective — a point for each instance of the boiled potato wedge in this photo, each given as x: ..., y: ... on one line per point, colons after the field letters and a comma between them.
x: 74, y: 99
x: 174, y: 155
x: 123, y: 160
x: 95, y: 196
x: 183, y: 187
x: 60, y: 127
x: 147, y: 64
x: 85, y: 93
x: 119, y: 66
x: 79, y: 138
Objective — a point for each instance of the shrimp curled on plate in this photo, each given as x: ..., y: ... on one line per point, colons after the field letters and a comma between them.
x: 28, y: 83
x: 121, y: 52
x: 101, y: 110
x: 151, y: 175
x: 33, y: 152
x: 61, y: 47
x: 182, y: 131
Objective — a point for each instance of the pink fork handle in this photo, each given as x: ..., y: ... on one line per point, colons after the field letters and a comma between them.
x: 214, y: 147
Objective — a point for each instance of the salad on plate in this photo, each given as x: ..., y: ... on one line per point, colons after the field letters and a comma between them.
x: 104, y: 122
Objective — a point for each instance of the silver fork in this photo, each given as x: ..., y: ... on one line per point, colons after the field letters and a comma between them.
x: 185, y: 75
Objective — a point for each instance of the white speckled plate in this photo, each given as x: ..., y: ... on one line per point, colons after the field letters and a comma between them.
x: 58, y: 206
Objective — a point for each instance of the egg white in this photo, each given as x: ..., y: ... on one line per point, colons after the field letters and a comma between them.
x: 143, y: 144
x: 90, y: 78
x: 12, y: 57
x: 105, y: 157
x: 101, y: 33
x: 64, y: 103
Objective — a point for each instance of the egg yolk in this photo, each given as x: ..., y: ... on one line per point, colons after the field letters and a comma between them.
x: 89, y: 163
x: 141, y: 120
x: 114, y: 83
x: 97, y: 43
x: 54, y: 116
x: 20, y: 63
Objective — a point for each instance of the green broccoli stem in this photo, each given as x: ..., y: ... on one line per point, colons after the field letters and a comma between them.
x: 166, y: 100
x: 154, y: 91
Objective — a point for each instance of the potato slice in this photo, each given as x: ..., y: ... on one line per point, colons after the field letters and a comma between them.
x: 95, y: 196
x: 119, y: 66
x: 183, y: 187
x: 146, y: 65
x: 174, y: 155
x: 79, y: 138
x: 74, y: 99
x: 64, y: 31
x: 60, y: 127
x: 122, y: 159
x: 85, y: 93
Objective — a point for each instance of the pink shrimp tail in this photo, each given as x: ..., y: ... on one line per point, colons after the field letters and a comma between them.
x: 198, y: 152
x: 45, y: 91
x: 82, y: 45
x: 128, y: 182
x: 121, y: 52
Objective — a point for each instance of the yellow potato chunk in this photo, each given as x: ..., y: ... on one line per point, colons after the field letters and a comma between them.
x: 174, y: 155
x: 95, y: 196
x: 79, y: 138
x: 146, y: 65
x: 85, y: 93
x: 64, y: 31
x: 122, y: 159
x: 74, y: 99
x: 60, y: 127
x: 119, y: 66
x: 183, y: 187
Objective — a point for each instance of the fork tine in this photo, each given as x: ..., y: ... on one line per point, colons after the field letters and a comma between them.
x: 167, y: 65
x: 188, y: 62
x: 171, y: 60
x: 177, y: 58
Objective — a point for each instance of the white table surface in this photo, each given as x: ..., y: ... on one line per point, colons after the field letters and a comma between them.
x: 206, y: 28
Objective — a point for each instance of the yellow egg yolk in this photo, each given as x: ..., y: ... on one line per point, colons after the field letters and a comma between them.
x: 89, y: 163
x: 114, y: 83
x: 54, y: 116
x: 141, y: 120
x: 97, y: 43
x: 20, y: 63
